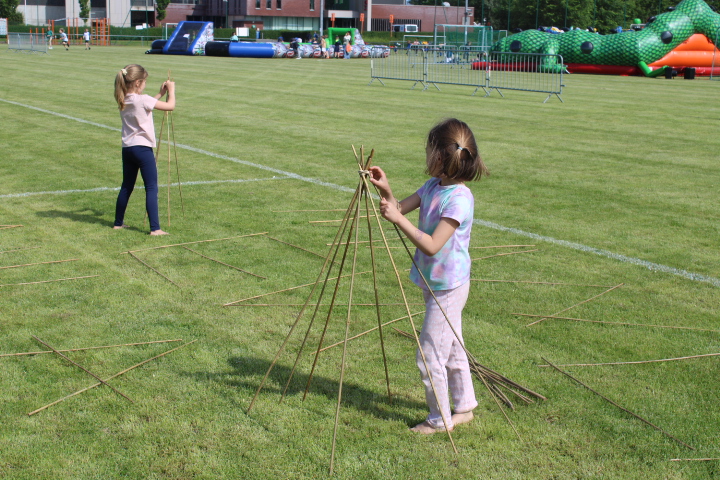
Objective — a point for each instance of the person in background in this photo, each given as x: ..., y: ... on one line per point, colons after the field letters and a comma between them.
x: 64, y: 39
x: 86, y: 37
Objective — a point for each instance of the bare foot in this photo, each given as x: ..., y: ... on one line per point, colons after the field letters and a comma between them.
x: 158, y: 232
x: 426, y: 429
x: 115, y: 227
x: 464, y: 417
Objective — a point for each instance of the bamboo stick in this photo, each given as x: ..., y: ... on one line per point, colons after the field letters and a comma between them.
x: 177, y: 163
x: 330, y: 221
x: 694, y: 459
x: 18, y: 249
x: 40, y: 263
x: 153, y: 269
x: 299, y: 248
x: 367, y: 241
x: 9, y: 226
x: 636, y: 362
x: 577, y: 304
x: 302, y: 311
x: 88, y: 348
x: 538, y: 283
x: 222, y: 263
x: 230, y: 304
x: 618, y: 406
x: 369, y: 331
x: 503, y: 254
x: 407, y: 307
x: 190, y: 243
x: 48, y: 281
x: 619, y: 323
x: 109, y: 378
x: 291, y: 211
x: 322, y: 305
x: 84, y: 369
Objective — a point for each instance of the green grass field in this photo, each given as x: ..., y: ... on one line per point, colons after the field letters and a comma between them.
x: 617, y: 185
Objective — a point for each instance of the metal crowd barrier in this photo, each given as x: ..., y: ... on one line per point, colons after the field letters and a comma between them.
x: 27, y: 42
x: 474, y: 67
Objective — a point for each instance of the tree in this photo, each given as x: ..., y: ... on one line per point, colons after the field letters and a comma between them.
x: 8, y: 9
x: 84, y: 9
x: 161, y: 6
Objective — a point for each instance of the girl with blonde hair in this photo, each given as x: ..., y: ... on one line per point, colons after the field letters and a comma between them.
x: 138, y: 140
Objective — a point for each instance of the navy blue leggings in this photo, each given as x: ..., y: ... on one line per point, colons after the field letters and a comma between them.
x: 134, y: 159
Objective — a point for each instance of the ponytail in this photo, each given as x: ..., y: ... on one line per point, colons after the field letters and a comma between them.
x: 124, y: 79
x: 453, y: 152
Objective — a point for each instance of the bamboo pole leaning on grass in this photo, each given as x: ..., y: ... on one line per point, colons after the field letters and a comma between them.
x: 88, y: 348
x: 40, y: 263
x: 618, y: 406
x: 10, y: 226
x: 109, y: 378
x: 63, y: 356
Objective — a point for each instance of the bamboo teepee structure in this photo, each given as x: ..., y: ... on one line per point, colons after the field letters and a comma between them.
x: 343, y: 251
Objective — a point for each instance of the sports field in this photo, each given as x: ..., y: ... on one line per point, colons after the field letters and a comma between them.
x: 618, y: 185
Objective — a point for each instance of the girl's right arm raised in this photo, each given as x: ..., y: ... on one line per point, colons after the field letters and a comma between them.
x: 168, y: 106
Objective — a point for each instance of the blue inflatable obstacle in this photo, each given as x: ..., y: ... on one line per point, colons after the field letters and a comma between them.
x: 188, y: 38
x: 239, y: 49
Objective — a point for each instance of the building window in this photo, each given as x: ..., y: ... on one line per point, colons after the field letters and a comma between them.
x: 257, y: 4
x: 312, y: 4
x: 268, y: 5
x: 278, y: 4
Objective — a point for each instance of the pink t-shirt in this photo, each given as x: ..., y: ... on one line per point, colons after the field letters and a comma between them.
x: 137, y: 121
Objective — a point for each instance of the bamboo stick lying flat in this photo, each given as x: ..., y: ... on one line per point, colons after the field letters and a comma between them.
x: 48, y: 281
x: 619, y: 323
x: 577, y: 304
x: 694, y: 459
x: 190, y: 243
x: 321, y: 305
x: 223, y: 263
x: 538, y: 283
x: 503, y: 254
x: 17, y: 249
x: 64, y: 357
x: 40, y: 263
x: 88, y: 348
x: 285, y: 290
x: 153, y: 269
x: 637, y: 362
x: 618, y: 406
x: 295, y: 246
x: 109, y: 378
x: 9, y: 226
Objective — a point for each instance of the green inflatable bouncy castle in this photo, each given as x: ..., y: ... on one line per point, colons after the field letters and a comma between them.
x: 647, y: 51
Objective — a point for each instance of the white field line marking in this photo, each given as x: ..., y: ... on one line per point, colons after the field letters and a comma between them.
x: 110, y: 189
x: 575, y: 246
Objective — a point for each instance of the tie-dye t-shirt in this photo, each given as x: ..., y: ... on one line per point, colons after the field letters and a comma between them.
x: 450, y: 267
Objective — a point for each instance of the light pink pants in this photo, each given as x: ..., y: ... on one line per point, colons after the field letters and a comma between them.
x: 446, y: 359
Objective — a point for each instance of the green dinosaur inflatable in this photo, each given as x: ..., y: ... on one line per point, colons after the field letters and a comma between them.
x: 660, y: 36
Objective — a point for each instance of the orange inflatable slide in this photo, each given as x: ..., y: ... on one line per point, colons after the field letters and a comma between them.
x: 697, y: 52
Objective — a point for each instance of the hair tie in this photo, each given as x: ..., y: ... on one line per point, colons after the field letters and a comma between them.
x: 459, y: 147
x: 124, y: 72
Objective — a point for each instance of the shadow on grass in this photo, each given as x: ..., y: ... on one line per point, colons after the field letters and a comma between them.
x: 85, y: 215
x: 248, y: 373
